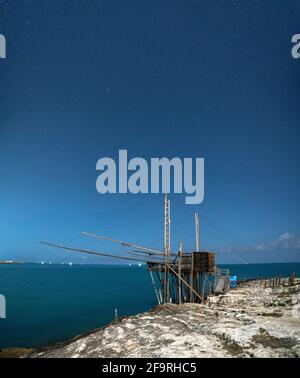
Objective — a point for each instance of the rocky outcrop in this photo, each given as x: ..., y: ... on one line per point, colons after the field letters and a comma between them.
x: 249, y: 321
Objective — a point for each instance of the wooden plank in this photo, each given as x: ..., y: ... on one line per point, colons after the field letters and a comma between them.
x: 199, y: 296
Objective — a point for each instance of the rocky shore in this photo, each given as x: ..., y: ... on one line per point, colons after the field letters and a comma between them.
x: 249, y: 321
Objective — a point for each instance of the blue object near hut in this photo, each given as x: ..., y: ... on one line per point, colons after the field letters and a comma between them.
x: 232, y: 281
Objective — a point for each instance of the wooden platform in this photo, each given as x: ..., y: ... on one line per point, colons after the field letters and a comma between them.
x: 191, y: 277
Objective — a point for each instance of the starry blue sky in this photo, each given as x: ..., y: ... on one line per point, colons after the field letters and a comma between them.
x: 212, y: 79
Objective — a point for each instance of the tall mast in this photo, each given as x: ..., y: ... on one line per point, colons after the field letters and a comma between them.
x: 166, y: 246
x: 179, y: 272
x: 197, y: 231
x: 192, y: 255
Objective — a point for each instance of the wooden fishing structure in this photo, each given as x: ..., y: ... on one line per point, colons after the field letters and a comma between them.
x: 176, y: 277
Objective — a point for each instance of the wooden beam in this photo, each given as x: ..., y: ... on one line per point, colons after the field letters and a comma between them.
x: 197, y: 231
x: 155, y: 287
x: 92, y: 252
x: 199, y: 296
x: 179, y: 272
x: 123, y: 243
x: 165, y: 250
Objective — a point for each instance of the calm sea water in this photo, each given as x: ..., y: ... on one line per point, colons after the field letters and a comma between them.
x: 51, y: 303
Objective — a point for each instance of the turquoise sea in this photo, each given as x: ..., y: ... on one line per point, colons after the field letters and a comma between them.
x: 51, y: 303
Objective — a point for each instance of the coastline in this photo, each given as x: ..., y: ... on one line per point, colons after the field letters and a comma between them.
x: 249, y: 321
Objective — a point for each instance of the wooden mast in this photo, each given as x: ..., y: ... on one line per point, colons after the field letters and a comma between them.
x: 192, y: 256
x: 197, y: 231
x: 179, y: 272
x: 166, y: 246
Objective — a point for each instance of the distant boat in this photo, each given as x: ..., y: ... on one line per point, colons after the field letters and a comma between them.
x: 140, y: 264
x: 70, y: 263
x: 42, y: 263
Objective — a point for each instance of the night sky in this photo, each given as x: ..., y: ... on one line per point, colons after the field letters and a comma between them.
x: 213, y: 79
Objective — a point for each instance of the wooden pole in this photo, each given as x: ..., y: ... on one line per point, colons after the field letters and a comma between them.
x: 192, y: 257
x: 93, y: 253
x: 154, y: 286
x: 197, y: 231
x: 159, y: 276
x: 165, y: 248
x: 192, y: 277
x: 195, y: 292
x: 122, y: 243
x: 179, y: 272
x: 168, y: 247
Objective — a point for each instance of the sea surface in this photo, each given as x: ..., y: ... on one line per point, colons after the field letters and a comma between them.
x: 50, y: 303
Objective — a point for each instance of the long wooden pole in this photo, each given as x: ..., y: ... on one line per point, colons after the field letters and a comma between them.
x: 123, y: 243
x: 154, y: 286
x: 199, y: 296
x: 168, y: 246
x: 165, y: 248
x: 197, y: 231
x: 93, y: 253
x: 157, y: 258
x: 192, y: 257
x: 179, y: 272
x: 192, y: 277
x: 155, y: 254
